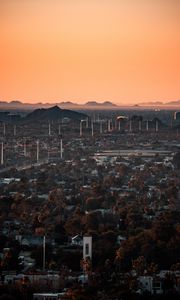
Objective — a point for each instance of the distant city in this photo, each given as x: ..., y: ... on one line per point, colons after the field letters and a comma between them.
x: 90, y: 203
x: 90, y: 150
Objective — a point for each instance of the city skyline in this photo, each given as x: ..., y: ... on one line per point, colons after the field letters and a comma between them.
x: 125, y: 52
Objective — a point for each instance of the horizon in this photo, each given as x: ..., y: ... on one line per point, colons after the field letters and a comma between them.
x: 125, y: 52
x: 168, y: 104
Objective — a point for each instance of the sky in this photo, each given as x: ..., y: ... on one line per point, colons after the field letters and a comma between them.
x: 124, y: 51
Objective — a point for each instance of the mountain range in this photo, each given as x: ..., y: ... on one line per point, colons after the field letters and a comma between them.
x: 159, y: 103
x: 88, y: 105
x: 68, y: 104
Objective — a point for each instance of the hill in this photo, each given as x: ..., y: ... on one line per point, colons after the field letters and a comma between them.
x: 53, y: 113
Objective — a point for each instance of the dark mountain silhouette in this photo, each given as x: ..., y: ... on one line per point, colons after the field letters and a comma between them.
x: 53, y: 113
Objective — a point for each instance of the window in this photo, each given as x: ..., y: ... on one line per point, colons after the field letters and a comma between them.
x: 157, y: 285
x: 87, y: 249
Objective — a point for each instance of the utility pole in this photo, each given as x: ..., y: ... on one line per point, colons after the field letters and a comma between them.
x: 101, y: 127
x: 4, y: 129
x: 109, y: 125
x: 37, y: 154
x: 44, y: 253
x: 119, y: 125
x: 14, y: 130
x: 2, y: 153
x: 130, y: 125
x: 49, y: 129
x: 61, y: 149
x: 92, y: 128
x: 59, y: 129
x: 147, y: 125
x: 157, y: 126
x: 80, y: 129
x: 25, y: 150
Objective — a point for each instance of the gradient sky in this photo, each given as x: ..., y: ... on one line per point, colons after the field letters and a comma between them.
x: 124, y: 51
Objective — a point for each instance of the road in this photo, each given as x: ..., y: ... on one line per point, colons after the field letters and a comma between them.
x: 24, y: 167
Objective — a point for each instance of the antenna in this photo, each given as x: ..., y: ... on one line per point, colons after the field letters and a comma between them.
x: 101, y: 127
x: 44, y: 253
x: 25, y: 150
x: 2, y: 153
x: 92, y: 128
x: 49, y: 129
x: 37, y: 154
x: 59, y: 129
x: 130, y: 125
x: 80, y: 128
x: 61, y: 149
x: 157, y: 126
x: 119, y: 125
x: 4, y: 128
x: 147, y: 125
x: 48, y: 155
x: 109, y: 125
x: 14, y: 130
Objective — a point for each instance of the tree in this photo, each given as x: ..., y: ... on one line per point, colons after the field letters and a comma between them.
x: 176, y: 160
x: 93, y: 203
x: 152, y: 269
x: 119, y: 258
x: 86, y: 265
x: 139, y: 265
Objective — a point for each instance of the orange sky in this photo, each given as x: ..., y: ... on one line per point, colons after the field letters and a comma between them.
x: 124, y: 51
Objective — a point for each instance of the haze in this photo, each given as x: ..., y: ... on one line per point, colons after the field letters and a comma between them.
x: 82, y: 50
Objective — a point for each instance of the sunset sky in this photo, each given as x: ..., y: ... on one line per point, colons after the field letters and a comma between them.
x: 124, y: 51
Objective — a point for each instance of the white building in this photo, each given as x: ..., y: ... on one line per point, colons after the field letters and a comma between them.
x: 87, y: 247
x: 150, y: 284
x: 47, y: 296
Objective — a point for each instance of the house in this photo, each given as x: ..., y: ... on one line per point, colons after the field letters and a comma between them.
x: 32, y: 241
x: 9, y: 180
x: 83, y: 278
x: 25, y: 259
x: 47, y: 296
x: 77, y: 240
x: 150, y: 284
x: 146, y: 283
x: 120, y: 239
x: 51, y: 281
